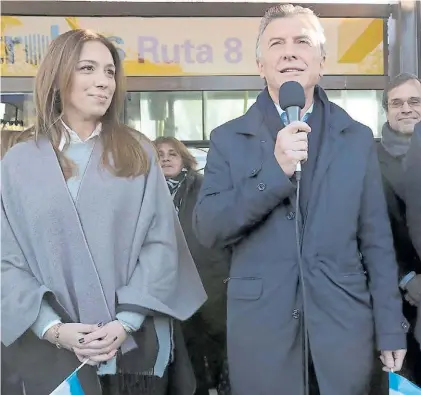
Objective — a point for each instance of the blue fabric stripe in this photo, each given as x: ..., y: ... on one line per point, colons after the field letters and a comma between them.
x: 74, y: 384
x: 402, y: 386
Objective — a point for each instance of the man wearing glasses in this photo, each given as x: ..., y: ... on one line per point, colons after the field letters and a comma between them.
x: 402, y: 103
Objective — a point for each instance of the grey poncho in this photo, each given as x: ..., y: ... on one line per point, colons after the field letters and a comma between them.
x: 119, y: 244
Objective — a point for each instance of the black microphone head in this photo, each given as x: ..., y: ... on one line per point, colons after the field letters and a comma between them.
x: 291, y: 94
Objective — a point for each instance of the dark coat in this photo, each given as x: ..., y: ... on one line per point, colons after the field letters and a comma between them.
x: 417, y: 330
x: 11, y: 383
x: 392, y: 170
x: 247, y: 202
x: 212, y: 263
x: 205, y: 332
x: 413, y: 202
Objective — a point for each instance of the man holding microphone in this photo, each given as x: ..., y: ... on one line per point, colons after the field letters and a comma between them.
x: 247, y: 203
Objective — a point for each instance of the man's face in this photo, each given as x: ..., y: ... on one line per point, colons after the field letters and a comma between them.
x: 290, y: 51
x: 404, y: 107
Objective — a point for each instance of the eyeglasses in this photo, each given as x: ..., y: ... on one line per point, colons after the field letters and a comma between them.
x: 412, y: 102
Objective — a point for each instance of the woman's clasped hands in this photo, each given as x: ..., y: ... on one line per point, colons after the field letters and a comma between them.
x: 97, y: 343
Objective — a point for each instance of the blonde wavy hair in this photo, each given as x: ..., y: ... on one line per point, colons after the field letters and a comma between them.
x: 123, y: 153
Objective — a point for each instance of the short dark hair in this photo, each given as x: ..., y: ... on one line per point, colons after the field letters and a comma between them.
x: 399, y: 80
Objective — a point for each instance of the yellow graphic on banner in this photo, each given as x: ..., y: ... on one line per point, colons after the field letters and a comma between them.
x: 72, y: 22
x: 187, y: 46
x: 358, y: 38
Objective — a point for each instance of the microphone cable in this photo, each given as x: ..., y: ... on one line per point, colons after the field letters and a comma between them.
x: 298, y: 237
x: 292, y: 100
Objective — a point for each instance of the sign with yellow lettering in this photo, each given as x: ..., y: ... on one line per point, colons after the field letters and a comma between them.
x: 187, y: 46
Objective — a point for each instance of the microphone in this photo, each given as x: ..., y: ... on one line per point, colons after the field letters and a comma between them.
x: 292, y: 101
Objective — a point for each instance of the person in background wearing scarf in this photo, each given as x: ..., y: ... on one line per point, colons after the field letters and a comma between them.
x: 205, y: 332
x: 413, y: 211
x: 402, y: 103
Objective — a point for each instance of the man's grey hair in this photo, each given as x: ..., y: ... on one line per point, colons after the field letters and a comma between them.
x: 399, y: 80
x: 286, y: 11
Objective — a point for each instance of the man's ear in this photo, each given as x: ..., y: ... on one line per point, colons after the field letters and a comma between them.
x: 322, y: 66
x: 260, y: 68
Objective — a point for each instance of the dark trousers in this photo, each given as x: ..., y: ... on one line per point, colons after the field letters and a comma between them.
x: 207, y: 354
x: 11, y: 383
x: 128, y: 384
x: 314, y: 387
x: 413, y: 360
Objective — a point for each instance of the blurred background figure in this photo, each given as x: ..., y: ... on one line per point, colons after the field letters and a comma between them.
x: 413, y: 213
x: 205, y: 332
x: 402, y: 104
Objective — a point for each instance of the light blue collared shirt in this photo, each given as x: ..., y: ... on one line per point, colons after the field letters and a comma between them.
x: 304, y: 118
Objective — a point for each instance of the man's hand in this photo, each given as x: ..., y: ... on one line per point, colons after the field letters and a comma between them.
x: 413, y: 290
x: 392, y: 360
x: 103, y: 344
x: 291, y: 146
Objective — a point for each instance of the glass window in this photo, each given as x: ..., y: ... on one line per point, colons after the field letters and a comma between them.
x: 155, y: 114
x: 193, y: 115
x: 222, y: 106
x: 200, y: 154
x: 364, y: 106
x: 336, y: 97
x: 17, y: 108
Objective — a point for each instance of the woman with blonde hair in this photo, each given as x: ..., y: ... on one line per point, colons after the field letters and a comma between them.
x: 94, y: 263
x: 205, y: 332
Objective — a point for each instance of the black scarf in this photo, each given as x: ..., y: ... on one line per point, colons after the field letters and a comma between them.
x: 177, y: 187
x: 317, y: 122
x: 395, y: 143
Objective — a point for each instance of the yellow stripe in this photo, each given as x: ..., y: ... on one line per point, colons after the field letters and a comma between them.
x: 358, y: 38
x: 73, y: 22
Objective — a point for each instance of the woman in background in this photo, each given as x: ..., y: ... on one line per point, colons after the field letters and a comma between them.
x: 94, y: 265
x: 205, y: 332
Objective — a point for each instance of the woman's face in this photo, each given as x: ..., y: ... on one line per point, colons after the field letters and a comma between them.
x: 93, y: 82
x: 170, y: 160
